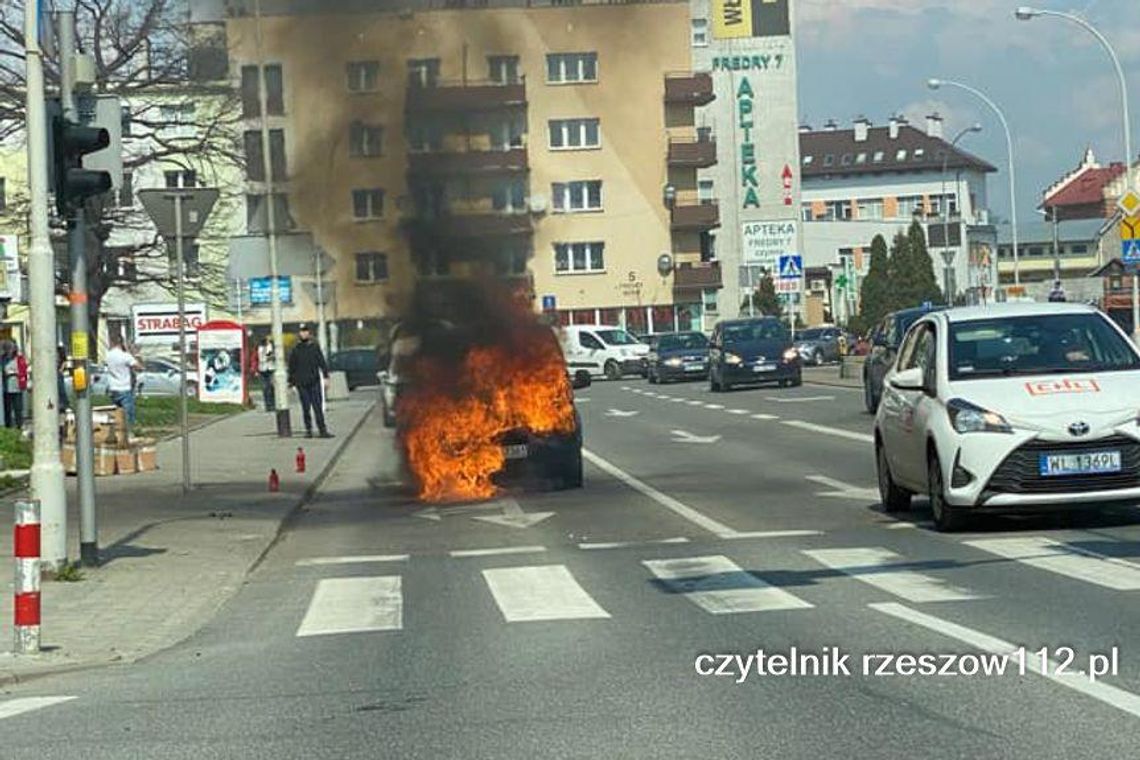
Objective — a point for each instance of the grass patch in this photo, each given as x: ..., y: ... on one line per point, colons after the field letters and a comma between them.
x: 69, y: 572
x: 15, y: 450
x: 162, y: 411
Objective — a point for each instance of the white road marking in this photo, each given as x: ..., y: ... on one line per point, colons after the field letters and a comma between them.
x: 678, y: 400
x: 765, y: 417
x: 873, y: 566
x: 357, y: 560
x: 1073, y: 679
x: 354, y: 605
x: 799, y: 399
x: 1063, y: 559
x: 714, y: 406
x: 901, y: 525
x: 843, y: 490
x: 628, y: 544
x: 620, y: 413
x: 718, y: 585
x: 838, y: 432
x: 13, y: 707
x: 738, y: 411
x: 497, y: 551
x: 695, y: 402
x: 681, y: 436
x: 513, y: 515
x: 771, y: 534
x: 540, y: 592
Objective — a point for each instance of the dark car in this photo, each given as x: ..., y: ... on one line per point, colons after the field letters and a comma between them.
x: 818, y: 345
x: 361, y: 366
x: 542, y: 461
x: 749, y: 351
x: 885, y: 341
x: 678, y: 356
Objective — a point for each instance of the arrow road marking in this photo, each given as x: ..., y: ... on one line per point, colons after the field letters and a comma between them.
x: 843, y: 490
x: 513, y: 515
x: 431, y: 513
x: 620, y: 413
x: 682, y: 436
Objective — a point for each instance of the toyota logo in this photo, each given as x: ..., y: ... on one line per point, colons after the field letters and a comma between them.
x: 1079, y: 428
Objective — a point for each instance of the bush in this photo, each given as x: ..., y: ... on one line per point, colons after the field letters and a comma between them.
x: 15, y: 450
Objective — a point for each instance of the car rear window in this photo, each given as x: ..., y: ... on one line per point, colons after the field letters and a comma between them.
x: 683, y: 341
x: 750, y: 332
x: 617, y: 337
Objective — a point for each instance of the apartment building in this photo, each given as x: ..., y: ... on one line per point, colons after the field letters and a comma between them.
x: 550, y: 145
x: 876, y: 180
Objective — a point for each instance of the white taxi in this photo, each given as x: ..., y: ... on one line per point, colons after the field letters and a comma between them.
x: 1010, y: 407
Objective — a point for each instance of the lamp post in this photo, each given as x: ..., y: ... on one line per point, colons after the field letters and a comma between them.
x: 935, y: 84
x: 947, y: 252
x: 1025, y: 13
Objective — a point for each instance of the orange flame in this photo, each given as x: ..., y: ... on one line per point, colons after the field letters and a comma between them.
x: 453, y: 411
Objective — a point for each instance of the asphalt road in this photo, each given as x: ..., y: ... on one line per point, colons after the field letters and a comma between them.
x: 570, y: 624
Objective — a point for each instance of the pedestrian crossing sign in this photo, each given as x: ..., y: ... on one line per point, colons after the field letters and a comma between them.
x: 1130, y: 251
x: 791, y: 267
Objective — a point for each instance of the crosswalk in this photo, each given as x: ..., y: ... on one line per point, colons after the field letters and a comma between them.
x: 709, y: 583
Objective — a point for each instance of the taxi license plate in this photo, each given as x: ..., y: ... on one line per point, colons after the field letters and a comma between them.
x: 764, y: 368
x: 1088, y: 463
x: 515, y: 451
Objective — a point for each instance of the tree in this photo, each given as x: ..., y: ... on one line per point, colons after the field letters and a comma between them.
x: 875, y: 292
x: 183, y: 116
x: 924, y: 284
x: 764, y: 299
x: 899, y: 273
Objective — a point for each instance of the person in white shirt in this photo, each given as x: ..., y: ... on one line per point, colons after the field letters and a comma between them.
x: 266, y: 363
x: 121, y: 365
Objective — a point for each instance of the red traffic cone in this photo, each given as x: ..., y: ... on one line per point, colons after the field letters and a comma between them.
x: 300, y: 461
x: 274, y: 482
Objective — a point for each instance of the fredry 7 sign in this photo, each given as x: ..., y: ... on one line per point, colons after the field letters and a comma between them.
x: 763, y: 243
x: 159, y: 322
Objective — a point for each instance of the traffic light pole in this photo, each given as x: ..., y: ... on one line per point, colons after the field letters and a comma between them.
x: 47, y: 470
x: 80, y: 318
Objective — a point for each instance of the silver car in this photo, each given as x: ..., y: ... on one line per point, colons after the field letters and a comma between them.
x: 159, y: 377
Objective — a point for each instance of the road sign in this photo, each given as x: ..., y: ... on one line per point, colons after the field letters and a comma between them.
x: 791, y: 266
x: 789, y: 286
x: 196, y: 205
x: 1129, y: 203
x: 1130, y: 227
x: 328, y: 292
x: 249, y: 256
x: 549, y: 303
x: 1130, y: 251
x: 260, y: 290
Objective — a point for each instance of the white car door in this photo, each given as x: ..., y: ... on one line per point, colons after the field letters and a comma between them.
x: 594, y: 351
x: 897, y: 412
x: 916, y: 407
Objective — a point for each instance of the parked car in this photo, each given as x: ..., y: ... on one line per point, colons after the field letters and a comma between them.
x: 603, y: 350
x: 678, y: 356
x: 750, y: 351
x: 1010, y: 408
x: 818, y: 345
x: 160, y: 377
x: 361, y: 366
x: 885, y: 340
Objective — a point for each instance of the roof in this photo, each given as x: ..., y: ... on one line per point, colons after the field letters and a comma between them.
x: 1035, y: 232
x: 840, y: 144
x: 990, y: 311
x: 1084, y: 188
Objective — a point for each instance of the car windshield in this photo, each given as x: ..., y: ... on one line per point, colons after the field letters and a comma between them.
x: 1038, y: 345
x: 751, y: 332
x: 682, y: 341
x: 812, y: 334
x: 617, y: 337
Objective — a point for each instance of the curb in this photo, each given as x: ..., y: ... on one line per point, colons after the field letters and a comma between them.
x: 833, y: 384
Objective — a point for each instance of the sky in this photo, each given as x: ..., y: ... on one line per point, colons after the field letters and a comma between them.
x: 1053, y: 80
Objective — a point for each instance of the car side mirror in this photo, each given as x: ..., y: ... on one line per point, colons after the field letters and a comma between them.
x: 581, y: 379
x: 908, y: 379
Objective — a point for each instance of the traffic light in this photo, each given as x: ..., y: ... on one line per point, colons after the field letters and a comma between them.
x: 70, y: 143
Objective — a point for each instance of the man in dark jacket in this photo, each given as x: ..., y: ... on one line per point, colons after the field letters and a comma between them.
x: 307, y: 372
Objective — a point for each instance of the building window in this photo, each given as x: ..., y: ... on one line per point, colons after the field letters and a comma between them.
x: 125, y: 199
x: 363, y: 76
x: 274, y: 87
x: 509, y: 197
x: 567, y: 68
x: 1035, y: 251
x: 365, y: 140
x: 919, y: 153
x: 579, y: 257
x: 806, y: 212
x: 255, y: 157
x: 504, y: 69
x: 425, y: 136
x: 936, y: 202
x: 177, y: 120
x: 571, y: 197
x: 574, y: 134
x: 706, y: 191
x: 837, y: 210
x: 180, y: 178
x: 828, y: 160
x: 423, y: 72
x: 877, y: 158
x: 846, y: 160
x: 909, y: 205
x: 371, y: 267
x: 1076, y: 249
x: 257, y: 213
x: 807, y: 160
x: 861, y: 159
x: 368, y: 203
x: 511, y: 261
x: 700, y: 32
x: 901, y: 155
x: 870, y: 208
x: 509, y: 133
x: 708, y: 298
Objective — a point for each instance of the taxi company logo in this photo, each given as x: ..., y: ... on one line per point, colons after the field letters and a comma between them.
x: 1078, y: 429
x: 1066, y: 385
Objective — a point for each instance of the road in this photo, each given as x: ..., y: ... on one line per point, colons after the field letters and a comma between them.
x: 570, y: 624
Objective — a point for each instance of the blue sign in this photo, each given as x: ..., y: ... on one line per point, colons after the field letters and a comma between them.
x: 261, y: 290
x: 791, y: 266
x: 548, y: 303
x: 1130, y: 251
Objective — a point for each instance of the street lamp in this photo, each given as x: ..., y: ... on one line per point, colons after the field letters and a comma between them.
x: 947, y: 252
x: 935, y: 84
x: 1025, y: 13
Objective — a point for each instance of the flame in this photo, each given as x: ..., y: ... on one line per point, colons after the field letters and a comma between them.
x: 454, y: 409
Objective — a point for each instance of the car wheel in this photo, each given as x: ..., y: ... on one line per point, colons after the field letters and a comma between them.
x: 869, y: 400
x: 797, y: 381
x: 571, y: 473
x: 817, y: 358
x: 946, y: 518
x: 714, y: 384
x: 894, y: 499
x: 613, y: 371
x: 652, y: 377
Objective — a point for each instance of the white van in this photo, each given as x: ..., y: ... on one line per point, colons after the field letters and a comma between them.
x: 602, y: 350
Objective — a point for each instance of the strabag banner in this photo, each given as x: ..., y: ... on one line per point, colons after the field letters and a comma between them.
x: 221, y: 363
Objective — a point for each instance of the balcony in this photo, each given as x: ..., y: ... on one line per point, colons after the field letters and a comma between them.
x: 692, y: 153
x: 696, y: 216
x: 467, y: 226
x: 458, y: 163
x: 698, y: 276
x: 689, y: 88
x: 465, y: 97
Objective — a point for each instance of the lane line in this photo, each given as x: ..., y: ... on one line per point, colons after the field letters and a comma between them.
x: 718, y: 585
x: 738, y: 411
x: 873, y: 566
x: 765, y: 417
x: 770, y: 534
x: 678, y: 400
x: 629, y: 544
x: 902, y: 525
x: 1064, y: 559
x: 354, y: 605
x: 497, y: 552
x: 837, y: 432
x: 714, y: 406
x: 350, y: 560
x: 799, y: 399
x: 14, y: 707
x: 695, y: 402
x: 540, y: 592
x: 1075, y: 680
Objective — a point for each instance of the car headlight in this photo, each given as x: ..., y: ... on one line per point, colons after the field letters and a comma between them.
x: 731, y: 358
x: 968, y: 418
x: 673, y: 362
x: 791, y: 355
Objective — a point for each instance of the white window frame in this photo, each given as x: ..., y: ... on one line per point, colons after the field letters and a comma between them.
x: 571, y: 68
x: 366, y: 147
x: 870, y: 208
x: 593, y: 251
x: 564, y: 194
x: 374, y: 209
x: 568, y: 128
x: 373, y: 258
x: 700, y: 27
x: 504, y: 69
x: 363, y: 76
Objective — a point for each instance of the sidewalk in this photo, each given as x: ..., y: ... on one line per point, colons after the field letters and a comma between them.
x: 169, y: 561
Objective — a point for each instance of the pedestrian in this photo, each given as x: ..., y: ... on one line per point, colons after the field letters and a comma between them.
x: 266, y: 364
x: 63, y: 368
x: 121, y: 366
x: 15, y: 384
x: 307, y: 372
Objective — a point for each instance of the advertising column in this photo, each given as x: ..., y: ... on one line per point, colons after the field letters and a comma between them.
x: 751, y: 56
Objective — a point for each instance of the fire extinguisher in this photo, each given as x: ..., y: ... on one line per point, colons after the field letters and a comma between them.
x: 300, y: 462
x: 274, y: 482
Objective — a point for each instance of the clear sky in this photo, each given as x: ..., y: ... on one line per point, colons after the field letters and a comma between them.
x: 1054, y: 81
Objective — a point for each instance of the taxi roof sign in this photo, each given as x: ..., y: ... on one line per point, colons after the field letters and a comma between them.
x: 1129, y: 203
